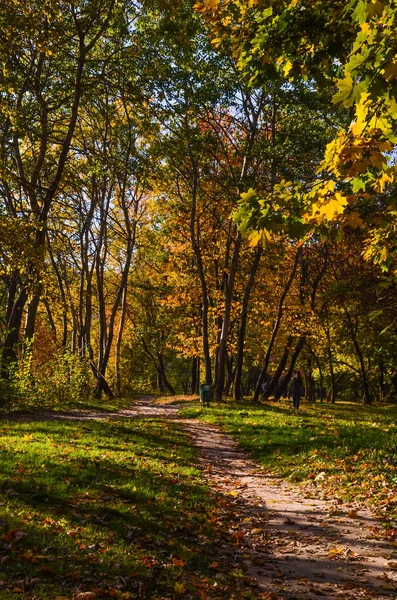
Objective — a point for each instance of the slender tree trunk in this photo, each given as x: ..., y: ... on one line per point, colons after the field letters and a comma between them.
x: 276, y: 326
x: 271, y: 388
x: 160, y: 384
x: 63, y: 296
x: 320, y: 371
x: 50, y: 319
x: 331, y: 396
x: 222, y: 348
x: 193, y: 377
x: 12, y: 291
x: 9, y: 356
x: 197, y: 390
x: 31, y: 316
x: 353, y: 335
x: 382, y: 387
x: 230, y: 374
x: 194, y: 237
x: 119, y: 339
x: 161, y: 365
x: 294, y: 358
x: 237, y: 392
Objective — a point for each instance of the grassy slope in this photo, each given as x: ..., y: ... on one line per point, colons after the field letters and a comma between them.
x: 345, y: 449
x: 116, y: 508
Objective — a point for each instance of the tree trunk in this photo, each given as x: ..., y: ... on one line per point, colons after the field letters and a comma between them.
x: 367, y: 391
x: 194, y: 238
x: 160, y: 384
x: 197, y: 390
x: 119, y: 339
x: 237, y: 392
x: 193, y: 377
x: 382, y: 387
x: 294, y: 358
x: 271, y: 388
x: 167, y: 384
x: 9, y: 356
x: 222, y: 349
x: 331, y: 396
x: 12, y: 291
x: 31, y: 317
x: 276, y: 325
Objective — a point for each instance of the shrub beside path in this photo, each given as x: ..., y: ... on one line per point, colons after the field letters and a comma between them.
x: 294, y: 546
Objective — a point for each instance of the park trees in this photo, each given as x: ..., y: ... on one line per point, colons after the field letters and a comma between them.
x: 45, y: 78
x: 199, y: 204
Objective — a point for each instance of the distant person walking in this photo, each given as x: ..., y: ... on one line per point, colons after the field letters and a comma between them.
x: 296, y: 388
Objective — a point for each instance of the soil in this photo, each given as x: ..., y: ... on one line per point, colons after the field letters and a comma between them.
x: 293, y: 544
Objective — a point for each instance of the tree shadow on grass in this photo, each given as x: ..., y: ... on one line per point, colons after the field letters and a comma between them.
x: 82, y: 522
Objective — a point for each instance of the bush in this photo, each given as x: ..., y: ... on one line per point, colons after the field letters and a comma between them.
x: 63, y: 381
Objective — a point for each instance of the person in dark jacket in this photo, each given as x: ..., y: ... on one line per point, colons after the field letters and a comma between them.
x: 296, y: 388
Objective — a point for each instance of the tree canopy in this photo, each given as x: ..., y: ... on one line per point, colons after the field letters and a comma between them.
x: 198, y: 194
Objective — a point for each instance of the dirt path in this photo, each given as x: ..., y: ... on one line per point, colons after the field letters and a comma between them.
x: 141, y: 407
x: 295, y: 547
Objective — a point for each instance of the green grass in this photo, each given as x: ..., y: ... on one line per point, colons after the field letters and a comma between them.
x: 116, y: 508
x: 346, y: 450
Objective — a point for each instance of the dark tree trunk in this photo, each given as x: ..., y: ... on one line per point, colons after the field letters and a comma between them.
x: 331, y: 396
x: 237, y: 392
x: 50, y: 319
x: 102, y: 384
x: 12, y: 291
x: 222, y: 349
x: 276, y: 326
x: 9, y: 356
x: 160, y: 384
x: 271, y: 388
x: 367, y: 391
x: 193, y: 377
x: 197, y: 390
x: 31, y: 317
x: 294, y: 358
x: 161, y: 366
x: 320, y: 371
x: 382, y: 387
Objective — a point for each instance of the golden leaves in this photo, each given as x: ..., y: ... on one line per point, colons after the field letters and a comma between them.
x: 257, y: 237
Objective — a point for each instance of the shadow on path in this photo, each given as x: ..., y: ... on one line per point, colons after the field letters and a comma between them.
x: 295, y: 547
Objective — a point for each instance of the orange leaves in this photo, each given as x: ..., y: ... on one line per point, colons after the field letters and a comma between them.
x: 85, y: 596
x: 178, y: 563
x: 31, y: 557
x: 13, y: 534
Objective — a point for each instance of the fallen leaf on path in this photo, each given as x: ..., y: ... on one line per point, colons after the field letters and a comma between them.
x: 335, y: 551
x: 85, y: 596
x: 388, y: 586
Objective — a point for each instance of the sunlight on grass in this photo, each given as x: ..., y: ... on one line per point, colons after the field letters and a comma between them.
x: 343, y: 449
x: 115, y: 507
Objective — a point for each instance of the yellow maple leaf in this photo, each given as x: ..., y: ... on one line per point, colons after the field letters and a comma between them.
x: 383, y: 180
x: 179, y: 588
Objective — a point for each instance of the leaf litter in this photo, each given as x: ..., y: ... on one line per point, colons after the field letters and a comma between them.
x: 261, y: 538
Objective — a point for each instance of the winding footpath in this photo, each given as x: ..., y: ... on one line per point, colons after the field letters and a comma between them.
x: 293, y: 546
